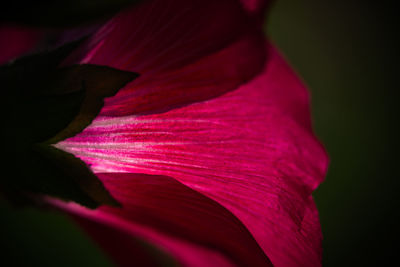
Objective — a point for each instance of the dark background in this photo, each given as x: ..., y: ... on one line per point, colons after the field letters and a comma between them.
x: 345, y: 51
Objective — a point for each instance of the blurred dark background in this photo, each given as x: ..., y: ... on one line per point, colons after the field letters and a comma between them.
x: 345, y: 51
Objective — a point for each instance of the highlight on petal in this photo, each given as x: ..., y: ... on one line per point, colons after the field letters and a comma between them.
x: 185, y: 51
x: 194, y: 229
x: 251, y: 150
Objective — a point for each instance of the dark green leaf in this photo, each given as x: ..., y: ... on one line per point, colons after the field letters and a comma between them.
x: 59, y: 163
x: 39, y: 63
x: 53, y: 100
x: 31, y: 173
x: 97, y: 82
x: 50, y: 171
x: 44, y: 104
x: 65, y: 103
x: 47, y: 115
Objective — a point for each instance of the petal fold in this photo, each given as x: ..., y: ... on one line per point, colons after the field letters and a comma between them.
x: 185, y: 52
x: 191, y: 227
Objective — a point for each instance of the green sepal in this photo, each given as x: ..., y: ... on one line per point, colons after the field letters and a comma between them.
x: 45, y: 104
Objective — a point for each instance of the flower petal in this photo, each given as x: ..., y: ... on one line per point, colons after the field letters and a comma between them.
x: 251, y: 150
x: 206, y: 78
x: 194, y: 229
x: 213, y: 45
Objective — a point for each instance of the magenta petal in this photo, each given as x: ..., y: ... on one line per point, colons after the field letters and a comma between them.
x: 251, y: 150
x: 207, y: 78
x: 166, y: 34
x: 185, y: 51
x: 191, y: 227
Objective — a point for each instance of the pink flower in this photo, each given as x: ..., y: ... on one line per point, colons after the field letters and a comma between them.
x: 210, y: 151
